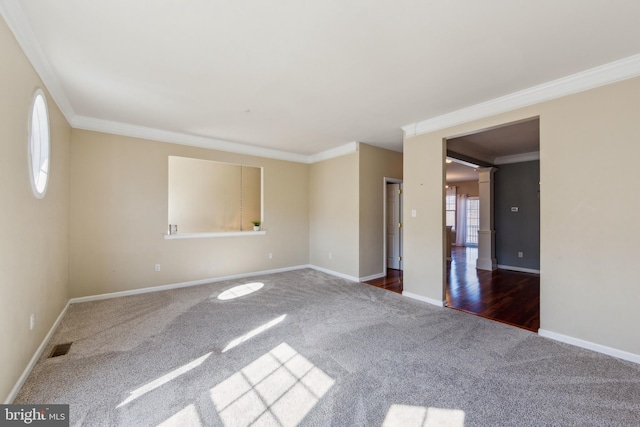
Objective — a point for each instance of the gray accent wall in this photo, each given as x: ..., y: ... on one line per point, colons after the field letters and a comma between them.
x: 517, y: 185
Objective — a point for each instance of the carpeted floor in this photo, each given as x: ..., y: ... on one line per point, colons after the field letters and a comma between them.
x: 312, y: 349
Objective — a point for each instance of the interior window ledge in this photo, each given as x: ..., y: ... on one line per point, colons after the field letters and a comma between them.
x: 218, y: 234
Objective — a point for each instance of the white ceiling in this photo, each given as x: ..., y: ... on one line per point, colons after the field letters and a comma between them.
x: 456, y: 172
x: 302, y: 76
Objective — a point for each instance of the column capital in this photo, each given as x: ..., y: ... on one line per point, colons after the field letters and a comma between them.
x: 489, y: 169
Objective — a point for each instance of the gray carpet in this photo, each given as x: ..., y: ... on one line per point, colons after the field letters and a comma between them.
x: 313, y: 349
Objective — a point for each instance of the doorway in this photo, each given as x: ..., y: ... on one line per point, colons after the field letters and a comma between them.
x: 494, y: 269
x: 393, y: 225
x: 392, y: 279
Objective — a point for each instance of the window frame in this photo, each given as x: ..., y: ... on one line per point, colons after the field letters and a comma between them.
x: 34, y: 107
x: 454, y: 190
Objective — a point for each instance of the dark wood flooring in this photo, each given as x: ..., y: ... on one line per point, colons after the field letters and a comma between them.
x: 391, y: 282
x: 505, y: 296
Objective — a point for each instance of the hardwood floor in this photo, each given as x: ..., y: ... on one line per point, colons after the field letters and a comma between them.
x: 506, y: 296
x: 392, y: 281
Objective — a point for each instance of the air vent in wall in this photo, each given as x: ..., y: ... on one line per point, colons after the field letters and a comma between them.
x: 61, y: 350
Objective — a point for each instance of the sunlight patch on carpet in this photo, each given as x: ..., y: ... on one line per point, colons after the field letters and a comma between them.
x: 187, y: 416
x: 420, y: 416
x: 163, y: 379
x: 278, y: 388
x: 240, y: 291
x: 236, y: 342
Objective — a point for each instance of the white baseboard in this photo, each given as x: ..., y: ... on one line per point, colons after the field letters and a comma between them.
x: 423, y: 299
x: 610, y: 351
x: 204, y: 282
x: 34, y: 359
x: 520, y: 269
x: 334, y: 273
x: 372, y: 277
x: 182, y: 284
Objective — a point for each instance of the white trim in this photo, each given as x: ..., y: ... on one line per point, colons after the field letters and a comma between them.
x: 342, y: 150
x: 372, y: 277
x: 423, y: 299
x: 487, y: 264
x: 385, y: 181
x: 34, y: 188
x: 517, y: 158
x: 17, y: 22
x: 204, y: 282
x: 34, y: 359
x: 520, y: 269
x: 36, y: 356
x: 609, y: 351
x: 181, y: 285
x: 599, y: 76
x: 334, y: 273
x: 124, y: 129
x: 220, y: 234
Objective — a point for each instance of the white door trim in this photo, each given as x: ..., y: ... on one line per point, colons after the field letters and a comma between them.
x: 387, y: 180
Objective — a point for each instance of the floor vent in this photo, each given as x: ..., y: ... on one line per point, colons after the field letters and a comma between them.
x: 61, y: 350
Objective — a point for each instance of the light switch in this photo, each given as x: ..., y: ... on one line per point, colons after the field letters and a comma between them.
x: 414, y: 213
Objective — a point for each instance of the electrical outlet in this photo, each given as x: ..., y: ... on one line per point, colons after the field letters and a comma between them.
x: 32, y: 321
x: 520, y: 254
x: 330, y: 256
x: 157, y: 267
x: 270, y: 255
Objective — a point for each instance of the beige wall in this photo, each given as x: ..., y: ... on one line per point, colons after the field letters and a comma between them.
x: 119, y: 213
x: 34, y: 244
x: 251, y: 196
x: 423, y: 235
x: 469, y: 188
x: 589, y: 285
x: 334, y: 214
x: 375, y: 164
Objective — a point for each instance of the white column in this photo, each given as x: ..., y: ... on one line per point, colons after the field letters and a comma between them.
x: 486, y: 233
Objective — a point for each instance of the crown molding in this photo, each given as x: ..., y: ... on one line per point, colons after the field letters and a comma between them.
x: 17, y: 22
x: 517, y: 158
x: 124, y: 129
x: 599, y: 76
x: 342, y: 150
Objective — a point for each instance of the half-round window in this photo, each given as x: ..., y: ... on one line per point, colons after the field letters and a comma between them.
x: 39, y: 145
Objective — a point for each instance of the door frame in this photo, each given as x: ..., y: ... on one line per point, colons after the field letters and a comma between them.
x: 387, y: 180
